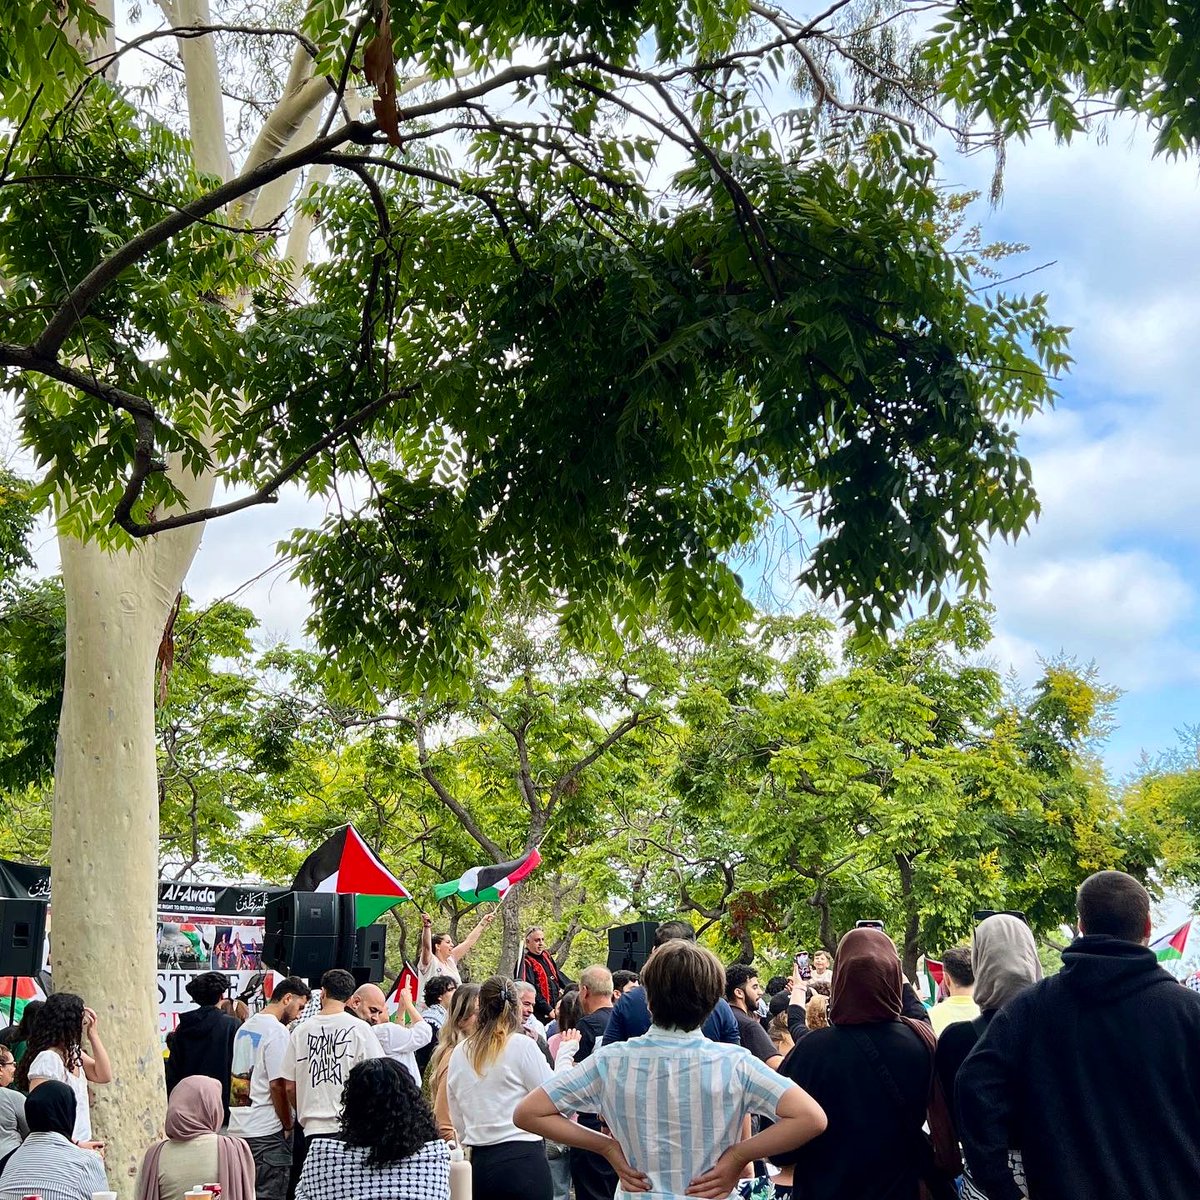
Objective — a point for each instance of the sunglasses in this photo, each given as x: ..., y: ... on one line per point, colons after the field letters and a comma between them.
x: 982, y: 914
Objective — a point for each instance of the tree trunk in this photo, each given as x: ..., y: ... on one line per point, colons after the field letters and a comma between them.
x: 910, y: 949
x: 104, y: 850
x: 510, y: 933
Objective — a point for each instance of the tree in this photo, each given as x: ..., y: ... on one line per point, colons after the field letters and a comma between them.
x: 902, y: 786
x: 1063, y: 62
x: 561, y: 375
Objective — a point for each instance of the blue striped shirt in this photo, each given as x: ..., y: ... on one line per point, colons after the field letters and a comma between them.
x: 673, y: 1100
x: 48, y: 1165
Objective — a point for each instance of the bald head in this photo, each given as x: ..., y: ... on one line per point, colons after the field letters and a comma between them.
x: 370, y: 1004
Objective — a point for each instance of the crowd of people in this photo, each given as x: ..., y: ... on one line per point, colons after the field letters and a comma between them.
x: 690, y: 1079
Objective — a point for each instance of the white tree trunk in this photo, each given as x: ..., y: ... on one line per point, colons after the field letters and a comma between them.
x: 104, y: 851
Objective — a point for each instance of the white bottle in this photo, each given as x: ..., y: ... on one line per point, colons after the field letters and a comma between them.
x: 460, y: 1175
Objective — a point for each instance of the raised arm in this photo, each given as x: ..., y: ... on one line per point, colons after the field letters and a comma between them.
x: 425, y: 957
x: 468, y: 943
x: 96, y: 1066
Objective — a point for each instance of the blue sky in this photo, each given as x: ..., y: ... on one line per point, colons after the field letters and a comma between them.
x: 1111, y: 572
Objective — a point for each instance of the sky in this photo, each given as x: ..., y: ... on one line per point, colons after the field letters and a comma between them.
x: 1110, y: 574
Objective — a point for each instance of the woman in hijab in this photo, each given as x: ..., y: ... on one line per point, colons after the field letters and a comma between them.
x: 47, y: 1161
x: 194, y: 1151
x: 1005, y: 960
x: 872, y: 1073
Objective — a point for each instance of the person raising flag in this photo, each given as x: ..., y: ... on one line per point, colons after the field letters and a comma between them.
x: 440, y: 956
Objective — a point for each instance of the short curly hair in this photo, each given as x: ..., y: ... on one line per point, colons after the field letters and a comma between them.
x: 383, y: 1110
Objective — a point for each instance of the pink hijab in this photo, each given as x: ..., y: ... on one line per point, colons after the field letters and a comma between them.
x: 193, y: 1110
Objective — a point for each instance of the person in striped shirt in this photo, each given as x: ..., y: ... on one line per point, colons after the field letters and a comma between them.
x: 673, y: 1101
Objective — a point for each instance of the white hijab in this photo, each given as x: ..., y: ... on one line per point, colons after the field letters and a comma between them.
x: 1005, y: 960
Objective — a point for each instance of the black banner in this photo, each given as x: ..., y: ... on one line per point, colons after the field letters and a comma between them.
x: 26, y: 881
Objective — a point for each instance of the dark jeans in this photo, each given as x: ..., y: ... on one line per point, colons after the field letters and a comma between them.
x: 272, y: 1166
x: 593, y: 1177
x: 511, y: 1171
x: 299, y: 1154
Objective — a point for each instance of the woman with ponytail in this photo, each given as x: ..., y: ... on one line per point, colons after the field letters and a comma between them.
x: 489, y: 1075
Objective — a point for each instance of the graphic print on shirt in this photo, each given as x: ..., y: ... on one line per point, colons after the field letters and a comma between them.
x: 329, y: 1055
x: 245, y: 1049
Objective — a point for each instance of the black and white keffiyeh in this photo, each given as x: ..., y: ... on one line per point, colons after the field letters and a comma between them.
x: 335, y: 1171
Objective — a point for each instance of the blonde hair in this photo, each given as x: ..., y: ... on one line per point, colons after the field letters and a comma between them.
x: 499, y: 1018
x: 462, y: 1005
x: 816, y: 1012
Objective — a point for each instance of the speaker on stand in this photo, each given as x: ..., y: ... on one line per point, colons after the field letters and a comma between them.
x: 629, y: 945
x: 22, y: 943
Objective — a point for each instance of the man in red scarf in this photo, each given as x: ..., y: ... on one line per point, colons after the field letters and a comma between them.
x: 539, y: 969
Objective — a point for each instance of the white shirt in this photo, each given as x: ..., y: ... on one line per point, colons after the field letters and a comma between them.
x: 258, y: 1051
x: 432, y: 970
x: 481, y: 1106
x: 320, y: 1054
x: 401, y: 1042
x: 49, y: 1065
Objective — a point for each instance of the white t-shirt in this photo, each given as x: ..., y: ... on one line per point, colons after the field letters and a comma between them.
x: 258, y: 1051
x: 401, y: 1042
x: 49, y: 1065
x: 481, y: 1106
x: 320, y: 1054
x: 432, y: 970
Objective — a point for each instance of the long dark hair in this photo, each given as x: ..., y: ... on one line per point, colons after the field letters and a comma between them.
x: 24, y: 1027
x: 384, y: 1111
x: 59, y: 1026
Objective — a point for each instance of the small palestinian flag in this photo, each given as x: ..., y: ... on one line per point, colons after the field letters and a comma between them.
x: 406, y: 981
x: 489, y: 882
x: 26, y: 989
x: 345, y: 863
x: 935, y: 976
x: 1172, y: 945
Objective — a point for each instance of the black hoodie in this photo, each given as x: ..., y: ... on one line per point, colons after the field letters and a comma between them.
x: 202, y: 1044
x: 1094, y: 1075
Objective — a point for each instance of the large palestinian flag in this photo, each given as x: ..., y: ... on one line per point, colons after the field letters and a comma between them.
x: 1172, y: 945
x: 489, y: 882
x: 345, y: 863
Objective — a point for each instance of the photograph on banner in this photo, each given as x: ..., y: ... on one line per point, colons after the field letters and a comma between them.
x: 237, y: 948
x: 182, y: 945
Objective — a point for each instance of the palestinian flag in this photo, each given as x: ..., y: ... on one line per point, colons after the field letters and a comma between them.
x: 489, y: 882
x: 1172, y: 945
x: 934, y: 976
x: 406, y: 981
x: 346, y: 864
x: 25, y: 989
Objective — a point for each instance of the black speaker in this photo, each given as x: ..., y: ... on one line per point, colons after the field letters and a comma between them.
x: 22, y: 937
x: 370, y: 944
x: 309, y: 933
x: 629, y: 945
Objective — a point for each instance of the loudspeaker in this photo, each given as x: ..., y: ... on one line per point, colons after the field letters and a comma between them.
x: 309, y: 933
x: 22, y: 937
x: 370, y: 944
x: 629, y: 945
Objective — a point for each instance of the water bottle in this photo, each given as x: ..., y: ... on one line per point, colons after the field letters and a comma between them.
x: 461, y: 1187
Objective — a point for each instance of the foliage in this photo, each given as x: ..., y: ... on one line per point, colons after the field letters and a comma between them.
x: 574, y: 376
x: 1058, y: 60
x: 903, y: 786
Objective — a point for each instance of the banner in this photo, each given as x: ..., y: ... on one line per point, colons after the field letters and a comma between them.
x: 201, y: 927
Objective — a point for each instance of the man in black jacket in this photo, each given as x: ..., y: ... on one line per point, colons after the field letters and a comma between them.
x: 1091, y: 1073
x: 202, y: 1043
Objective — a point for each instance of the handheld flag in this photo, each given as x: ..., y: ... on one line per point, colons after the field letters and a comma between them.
x: 407, y: 981
x: 489, y: 882
x: 345, y: 863
x: 935, y: 975
x: 1172, y: 945
x: 16, y: 993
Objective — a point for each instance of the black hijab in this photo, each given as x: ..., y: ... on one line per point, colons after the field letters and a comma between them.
x: 50, y: 1108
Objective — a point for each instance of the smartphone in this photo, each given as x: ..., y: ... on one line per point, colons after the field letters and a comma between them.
x: 801, y: 960
x: 870, y: 925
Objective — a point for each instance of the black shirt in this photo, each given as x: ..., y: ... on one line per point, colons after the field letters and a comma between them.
x: 872, y: 1148
x: 754, y: 1037
x: 591, y: 1030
